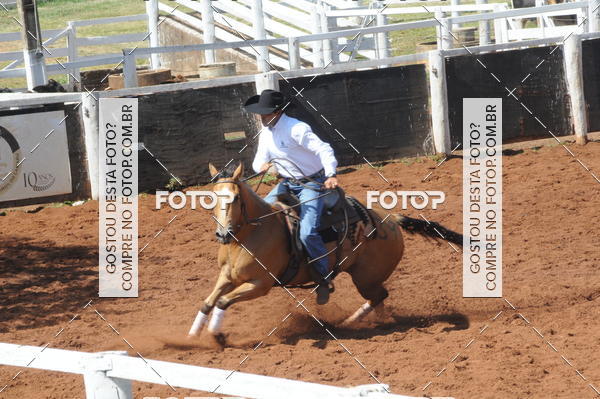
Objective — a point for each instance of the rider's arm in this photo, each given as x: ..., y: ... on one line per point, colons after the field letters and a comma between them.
x: 303, y: 134
x: 262, y: 154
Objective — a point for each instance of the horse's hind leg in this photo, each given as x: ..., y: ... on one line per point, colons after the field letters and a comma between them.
x: 369, y: 287
x: 375, y: 296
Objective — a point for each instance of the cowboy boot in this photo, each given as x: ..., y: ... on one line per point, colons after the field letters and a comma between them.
x: 322, y: 288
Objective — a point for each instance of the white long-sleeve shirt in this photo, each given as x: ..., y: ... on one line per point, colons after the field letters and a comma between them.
x: 294, y: 140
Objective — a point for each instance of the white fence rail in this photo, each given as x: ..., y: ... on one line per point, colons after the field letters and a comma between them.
x: 317, y: 49
x: 108, y: 375
x: 8, y: 4
x: 75, y: 61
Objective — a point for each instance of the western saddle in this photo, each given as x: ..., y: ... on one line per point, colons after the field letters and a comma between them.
x: 338, y: 222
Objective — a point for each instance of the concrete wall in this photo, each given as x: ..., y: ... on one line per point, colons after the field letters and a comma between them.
x: 384, y: 113
x: 173, y: 32
x: 544, y: 92
x: 591, y: 81
x: 185, y: 130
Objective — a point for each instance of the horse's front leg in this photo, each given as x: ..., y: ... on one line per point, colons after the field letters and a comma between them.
x: 243, y: 292
x: 223, y: 286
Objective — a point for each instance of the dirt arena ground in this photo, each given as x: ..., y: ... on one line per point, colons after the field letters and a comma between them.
x: 432, y: 337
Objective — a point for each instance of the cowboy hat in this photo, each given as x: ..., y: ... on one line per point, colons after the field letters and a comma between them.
x: 267, y: 102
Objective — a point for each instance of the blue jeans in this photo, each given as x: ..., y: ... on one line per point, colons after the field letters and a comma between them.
x: 310, y: 215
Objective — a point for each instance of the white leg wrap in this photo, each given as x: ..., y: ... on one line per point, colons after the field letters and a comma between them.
x: 199, y: 322
x: 216, y: 320
x: 364, y: 310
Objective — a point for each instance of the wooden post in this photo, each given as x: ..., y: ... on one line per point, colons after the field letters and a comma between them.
x: 258, y: 22
x: 327, y: 44
x: 33, y: 53
x: 498, y: 35
x: 454, y: 14
x: 574, y: 76
x: 484, y: 28
x: 440, y: 125
x: 75, y: 79
x: 594, y: 15
x: 540, y: 19
x: 152, y: 11
x: 382, y: 37
x: 504, y: 24
x: 582, y: 21
x: 335, y: 46
x: 90, y: 116
x: 268, y: 80
x: 99, y: 385
x: 208, y: 30
x: 129, y: 69
x: 447, y: 39
x: 294, y: 53
x: 317, y: 45
x: 439, y: 16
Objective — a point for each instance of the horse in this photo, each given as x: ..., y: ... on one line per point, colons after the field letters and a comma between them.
x: 255, y: 249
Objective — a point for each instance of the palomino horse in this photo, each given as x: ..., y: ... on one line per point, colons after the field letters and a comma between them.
x: 253, y: 253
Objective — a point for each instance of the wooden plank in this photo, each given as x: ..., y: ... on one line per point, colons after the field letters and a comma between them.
x: 225, y: 36
x: 535, y: 33
x: 100, y: 40
x: 16, y: 36
x: 357, y: 65
x: 175, y: 374
x: 531, y: 11
x: 504, y: 46
x: 287, y: 14
x: 198, y: 84
x: 110, y: 20
x: 49, y: 359
x: 18, y: 55
x: 409, y: 10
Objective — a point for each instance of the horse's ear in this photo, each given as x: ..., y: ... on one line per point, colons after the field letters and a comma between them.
x: 213, y: 171
x: 239, y: 171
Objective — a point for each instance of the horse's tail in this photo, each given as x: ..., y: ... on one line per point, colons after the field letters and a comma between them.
x: 428, y: 228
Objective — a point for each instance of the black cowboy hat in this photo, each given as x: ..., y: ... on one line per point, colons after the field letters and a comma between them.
x: 267, y: 102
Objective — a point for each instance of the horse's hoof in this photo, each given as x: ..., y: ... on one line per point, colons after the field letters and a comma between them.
x: 346, y: 323
x: 220, y: 339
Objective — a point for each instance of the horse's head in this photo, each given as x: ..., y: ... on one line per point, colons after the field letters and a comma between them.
x: 228, y: 211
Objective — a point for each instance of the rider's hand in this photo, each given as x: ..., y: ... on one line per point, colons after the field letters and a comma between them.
x: 265, y: 167
x: 331, y: 183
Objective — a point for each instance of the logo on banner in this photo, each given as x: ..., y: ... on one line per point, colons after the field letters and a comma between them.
x: 10, y: 159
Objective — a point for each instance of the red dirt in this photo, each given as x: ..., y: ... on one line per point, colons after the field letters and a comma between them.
x: 551, y: 275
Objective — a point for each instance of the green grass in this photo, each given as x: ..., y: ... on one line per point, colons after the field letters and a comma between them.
x: 266, y: 179
x: 54, y: 14
x: 405, y: 42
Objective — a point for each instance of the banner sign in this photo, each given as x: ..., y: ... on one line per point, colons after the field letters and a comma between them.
x: 34, y: 156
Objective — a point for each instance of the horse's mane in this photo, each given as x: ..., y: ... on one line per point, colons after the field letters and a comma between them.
x: 227, y: 173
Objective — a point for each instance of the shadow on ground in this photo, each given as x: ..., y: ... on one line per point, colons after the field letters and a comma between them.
x: 41, y: 281
x: 306, y: 328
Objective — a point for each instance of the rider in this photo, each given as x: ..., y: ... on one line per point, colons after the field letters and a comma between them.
x: 284, y: 137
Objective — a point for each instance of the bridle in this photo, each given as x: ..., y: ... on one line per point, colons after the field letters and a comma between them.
x: 246, y: 219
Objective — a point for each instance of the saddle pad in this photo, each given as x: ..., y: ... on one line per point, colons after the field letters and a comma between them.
x: 336, y: 217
